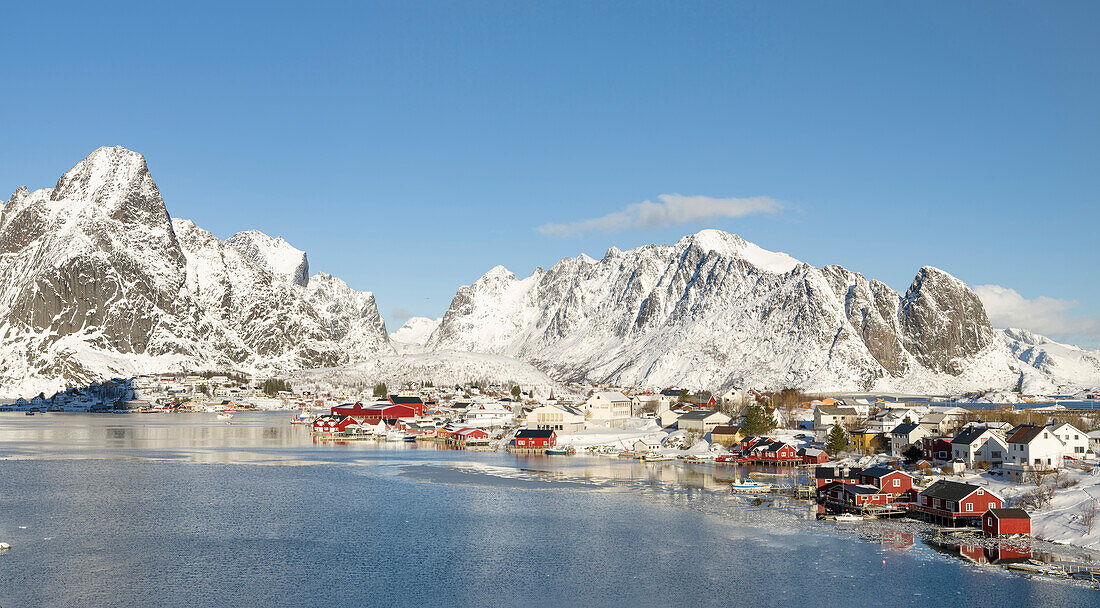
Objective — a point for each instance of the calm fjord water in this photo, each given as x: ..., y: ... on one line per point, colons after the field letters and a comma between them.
x: 161, y: 510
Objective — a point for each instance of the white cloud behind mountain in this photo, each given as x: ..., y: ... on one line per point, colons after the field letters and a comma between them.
x: 672, y: 209
x: 1044, y: 315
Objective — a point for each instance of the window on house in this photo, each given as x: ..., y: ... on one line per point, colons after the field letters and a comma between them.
x: 969, y: 506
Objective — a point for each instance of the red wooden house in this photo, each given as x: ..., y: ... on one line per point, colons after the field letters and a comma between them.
x: 886, y: 479
x: 536, y: 438
x: 935, y: 448
x: 373, y: 414
x: 332, y: 424
x: 841, y: 475
x: 952, y: 501
x: 813, y: 456
x: 1006, y: 521
x: 468, y: 436
x: 411, y: 401
x: 779, y: 451
x: 855, y: 496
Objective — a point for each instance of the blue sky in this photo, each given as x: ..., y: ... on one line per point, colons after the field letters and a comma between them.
x: 410, y: 147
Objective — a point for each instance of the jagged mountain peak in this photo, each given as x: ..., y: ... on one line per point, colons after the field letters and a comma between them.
x: 274, y: 254
x: 96, y: 281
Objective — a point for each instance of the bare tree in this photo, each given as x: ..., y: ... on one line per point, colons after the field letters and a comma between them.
x: 1089, y: 516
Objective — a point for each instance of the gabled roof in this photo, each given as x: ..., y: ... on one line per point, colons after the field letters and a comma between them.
x: 700, y: 414
x: 877, y: 472
x: 969, y: 436
x: 535, y: 433
x: 1009, y: 513
x: 406, y: 400
x: 861, y: 489
x: 836, y: 410
x: 835, y: 472
x: 951, y: 490
x: 612, y: 395
x: 1025, y: 433
x: 905, y: 428
x: 725, y: 429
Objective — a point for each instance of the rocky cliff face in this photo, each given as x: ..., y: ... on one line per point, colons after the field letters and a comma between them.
x: 714, y: 310
x: 97, y: 280
x: 276, y: 256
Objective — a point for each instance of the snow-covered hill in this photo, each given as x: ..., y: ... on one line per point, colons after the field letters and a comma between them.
x: 1066, y: 367
x: 415, y: 331
x: 714, y: 310
x: 444, y: 368
x: 98, y: 281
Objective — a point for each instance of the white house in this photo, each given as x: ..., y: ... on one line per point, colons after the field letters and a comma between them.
x: 735, y: 399
x: 1076, y: 441
x: 701, y: 421
x: 1032, y: 448
x: 977, y: 444
x: 828, y: 415
x: 608, y: 408
x: 642, y: 446
x: 904, y: 435
x: 562, y: 418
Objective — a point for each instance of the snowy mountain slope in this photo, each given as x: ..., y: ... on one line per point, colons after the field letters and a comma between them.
x: 97, y: 281
x: 713, y: 310
x: 1067, y: 367
x: 274, y: 255
x: 444, y: 368
x: 351, y: 317
x: 415, y: 331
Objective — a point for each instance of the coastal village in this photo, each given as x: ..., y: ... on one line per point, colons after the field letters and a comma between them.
x: 1011, y: 470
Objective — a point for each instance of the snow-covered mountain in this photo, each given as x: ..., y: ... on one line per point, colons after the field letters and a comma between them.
x: 415, y: 331
x: 99, y: 281
x: 1068, y: 367
x: 715, y: 310
x: 274, y: 255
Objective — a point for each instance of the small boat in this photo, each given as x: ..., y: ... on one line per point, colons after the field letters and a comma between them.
x: 225, y: 415
x: 410, y: 439
x: 655, y: 457
x: 4, y: 546
x: 747, y: 485
x: 556, y: 451
x: 847, y: 517
x: 29, y: 413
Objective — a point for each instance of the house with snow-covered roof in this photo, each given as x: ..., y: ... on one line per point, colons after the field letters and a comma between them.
x: 608, y: 408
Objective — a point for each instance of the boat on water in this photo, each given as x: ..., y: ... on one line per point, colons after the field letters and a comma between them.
x: 655, y: 457
x: 747, y: 485
x: 29, y: 413
x: 225, y: 415
x: 847, y: 517
x: 556, y: 451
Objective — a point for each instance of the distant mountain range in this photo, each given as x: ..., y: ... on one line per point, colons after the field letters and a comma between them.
x: 98, y: 280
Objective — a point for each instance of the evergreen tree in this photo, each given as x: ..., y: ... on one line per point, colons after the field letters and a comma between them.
x: 837, y: 440
x: 758, y: 421
x: 912, y: 454
x: 516, y: 392
x: 380, y: 390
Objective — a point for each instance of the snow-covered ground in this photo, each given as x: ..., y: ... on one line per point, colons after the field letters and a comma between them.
x: 445, y: 368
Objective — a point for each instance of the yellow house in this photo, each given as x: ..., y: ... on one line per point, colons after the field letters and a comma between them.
x: 866, y: 440
x: 726, y: 435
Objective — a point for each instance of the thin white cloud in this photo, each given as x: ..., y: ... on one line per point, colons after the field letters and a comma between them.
x: 672, y: 209
x: 1051, y: 317
x: 401, y: 314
